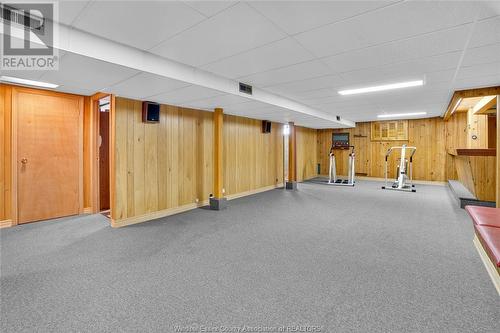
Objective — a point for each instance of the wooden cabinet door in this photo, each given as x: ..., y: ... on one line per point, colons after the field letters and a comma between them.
x: 49, y: 154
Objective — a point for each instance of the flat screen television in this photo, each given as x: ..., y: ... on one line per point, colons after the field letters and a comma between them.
x: 340, y: 140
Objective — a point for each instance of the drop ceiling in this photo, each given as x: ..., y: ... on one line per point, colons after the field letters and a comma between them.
x: 304, y: 51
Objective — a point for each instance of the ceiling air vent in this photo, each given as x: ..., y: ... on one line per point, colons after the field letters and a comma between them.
x: 22, y: 18
x: 245, y: 88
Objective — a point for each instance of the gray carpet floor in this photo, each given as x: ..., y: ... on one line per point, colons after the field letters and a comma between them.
x: 344, y: 259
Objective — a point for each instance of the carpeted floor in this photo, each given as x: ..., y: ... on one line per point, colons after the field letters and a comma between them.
x: 344, y: 259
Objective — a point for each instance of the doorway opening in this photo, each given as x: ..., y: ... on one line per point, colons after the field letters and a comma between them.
x: 103, y: 154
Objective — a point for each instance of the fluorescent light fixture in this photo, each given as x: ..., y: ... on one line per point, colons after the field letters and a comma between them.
x: 382, y: 87
x: 398, y: 115
x: 456, y: 105
x: 17, y: 80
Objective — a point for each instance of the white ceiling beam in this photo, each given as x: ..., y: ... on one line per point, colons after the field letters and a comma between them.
x: 85, y: 44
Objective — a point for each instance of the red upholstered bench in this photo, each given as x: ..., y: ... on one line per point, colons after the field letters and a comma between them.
x: 484, y: 215
x: 487, y: 227
x: 490, y: 239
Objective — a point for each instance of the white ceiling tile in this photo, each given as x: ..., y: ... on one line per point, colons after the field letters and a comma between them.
x: 315, y: 94
x: 29, y: 75
x: 404, y: 50
x: 144, y: 85
x: 274, y: 55
x: 445, y: 76
x: 476, y: 82
x: 394, y: 22
x: 210, y: 8
x: 290, y: 88
x: 184, y: 95
x: 482, y: 55
x: 489, y: 8
x: 490, y: 69
x: 236, y: 29
x: 297, y: 16
x: 411, y: 70
x: 87, y: 73
x: 141, y: 24
x: 486, y: 32
x: 69, y: 10
x: 302, y: 71
x: 76, y: 90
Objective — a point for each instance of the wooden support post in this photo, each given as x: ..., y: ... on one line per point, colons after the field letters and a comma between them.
x: 291, y: 184
x: 498, y: 152
x: 217, y: 200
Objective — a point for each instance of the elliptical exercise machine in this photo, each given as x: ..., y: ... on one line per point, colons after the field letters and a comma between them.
x: 404, y: 181
x: 332, y: 178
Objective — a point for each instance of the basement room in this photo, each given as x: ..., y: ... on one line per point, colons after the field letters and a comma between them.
x: 250, y: 166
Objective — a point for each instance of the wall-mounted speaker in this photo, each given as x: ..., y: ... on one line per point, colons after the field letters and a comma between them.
x: 150, y: 112
x: 266, y: 126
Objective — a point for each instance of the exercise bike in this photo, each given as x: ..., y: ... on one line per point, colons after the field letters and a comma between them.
x: 332, y: 177
x: 404, y: 180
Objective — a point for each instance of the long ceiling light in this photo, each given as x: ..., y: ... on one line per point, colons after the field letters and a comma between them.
x: 17, y: 80
x: 382, y: 87
x: 398, y: 115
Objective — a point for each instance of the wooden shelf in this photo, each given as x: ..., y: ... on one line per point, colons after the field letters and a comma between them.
x: 473, y: 152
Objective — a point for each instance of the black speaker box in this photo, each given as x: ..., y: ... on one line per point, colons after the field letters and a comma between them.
x: 266, y: 126
x: 150, y: 112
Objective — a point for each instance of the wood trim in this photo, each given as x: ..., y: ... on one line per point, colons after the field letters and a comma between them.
x: 7, y: 146
x: 218, y: 147
x: 80, y: 153
x: 478, y: 92
x: 292, y: 153
x: 485, y: 104
x: 14, y: 212
x: 493, y: 271
x: 112, y: 158
x: 6, y: 224
x: 473, y: 152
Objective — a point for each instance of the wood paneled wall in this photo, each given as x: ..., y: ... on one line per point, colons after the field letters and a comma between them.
x: 251, y: 159
x: 307, y: 155
x: 5, y: 153
x: 87, y: 155
x: 428, y: 135
x: 477, y: 128
x: 167, y: 166
x: 477, y: 173
x: 160, y: 166
x: 456, y: 137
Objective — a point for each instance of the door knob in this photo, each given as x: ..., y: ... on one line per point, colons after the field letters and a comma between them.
x: 24, y: 161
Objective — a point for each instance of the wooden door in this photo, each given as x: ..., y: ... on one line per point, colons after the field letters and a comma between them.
x: 49, y: 154
x: 104, y: 161
x: 361, y: 146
